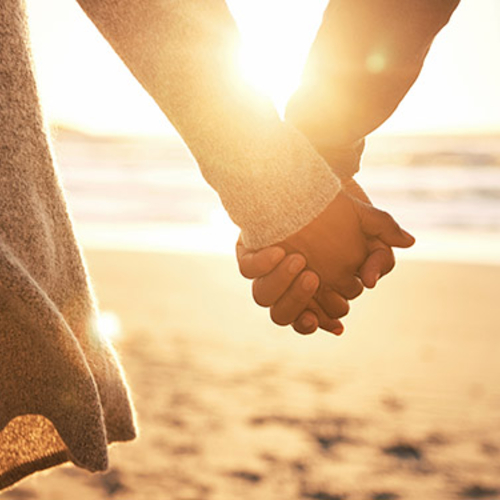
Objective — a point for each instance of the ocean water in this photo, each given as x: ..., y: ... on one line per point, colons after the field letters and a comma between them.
x: 144, y: 194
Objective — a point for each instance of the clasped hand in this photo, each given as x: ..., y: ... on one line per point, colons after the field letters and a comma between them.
x: 308, y: 279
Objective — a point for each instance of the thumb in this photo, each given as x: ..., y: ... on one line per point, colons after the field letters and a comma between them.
x: 380, y: 224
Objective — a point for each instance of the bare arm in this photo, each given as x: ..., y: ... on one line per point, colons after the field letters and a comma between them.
x: 366, y: 56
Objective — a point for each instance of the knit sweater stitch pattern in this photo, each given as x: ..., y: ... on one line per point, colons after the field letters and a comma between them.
x: 62, y: 393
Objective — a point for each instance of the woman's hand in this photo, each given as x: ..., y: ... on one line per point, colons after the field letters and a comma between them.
x: 285, y: 284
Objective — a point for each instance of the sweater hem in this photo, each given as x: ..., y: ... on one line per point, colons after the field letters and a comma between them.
x: 22, y: 471
x: 19, y: 472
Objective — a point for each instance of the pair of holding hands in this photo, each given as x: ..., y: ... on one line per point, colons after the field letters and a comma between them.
x: 308, y: 279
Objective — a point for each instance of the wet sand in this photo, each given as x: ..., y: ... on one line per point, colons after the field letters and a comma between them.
x: 405, y: 405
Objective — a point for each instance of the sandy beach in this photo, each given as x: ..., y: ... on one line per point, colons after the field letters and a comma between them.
x: 405, y: 405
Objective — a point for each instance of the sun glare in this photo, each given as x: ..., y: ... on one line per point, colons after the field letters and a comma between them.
x: 276, y: 36
x: 83, y: 83
x: 109, y: 325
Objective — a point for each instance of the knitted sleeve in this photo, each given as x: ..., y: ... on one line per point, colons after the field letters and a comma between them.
x: 62, y: 392
x: 366, y: 56
x: 270, y: 179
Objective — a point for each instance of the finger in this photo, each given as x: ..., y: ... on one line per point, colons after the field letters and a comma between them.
x: 319, y: 320
x: 379, y: 262
x: 268, y: 289
x: 332, y: 303
x: 331, y: 325
x: 376, y: 223
x: 306, y: 323
x: 349, y: 287
x: 254, y: 264
x: 288, y: 308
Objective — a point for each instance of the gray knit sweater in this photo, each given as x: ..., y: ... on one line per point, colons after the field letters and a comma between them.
x: 270, y: 179
x: 62, y: 395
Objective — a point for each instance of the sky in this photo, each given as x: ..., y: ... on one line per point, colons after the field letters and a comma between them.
x: 84, y: 85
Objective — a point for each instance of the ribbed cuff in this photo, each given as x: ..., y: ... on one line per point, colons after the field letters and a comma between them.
x: 290, y: 213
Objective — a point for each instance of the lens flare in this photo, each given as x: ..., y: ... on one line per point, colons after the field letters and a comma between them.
x: 109, y: 325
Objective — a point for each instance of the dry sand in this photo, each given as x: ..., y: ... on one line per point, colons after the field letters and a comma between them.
x: 406, y: 405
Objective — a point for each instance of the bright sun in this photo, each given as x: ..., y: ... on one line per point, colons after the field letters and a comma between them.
x: 83, y: 83
x: 276, y: 37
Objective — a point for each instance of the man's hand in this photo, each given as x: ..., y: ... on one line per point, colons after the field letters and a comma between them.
x: 334, y: 247
x: 380, y: 260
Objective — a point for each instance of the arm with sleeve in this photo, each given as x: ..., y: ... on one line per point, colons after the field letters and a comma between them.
x: 365, y: 58
x: 269, y: 178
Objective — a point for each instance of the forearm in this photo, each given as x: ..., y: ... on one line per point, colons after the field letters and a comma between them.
x: 269, y: 178
x: 365, y: 58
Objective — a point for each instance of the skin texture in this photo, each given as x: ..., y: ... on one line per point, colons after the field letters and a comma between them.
x: 294, y: 296
x: 380, y: 260
x: 282, y: 283
x: 342, y: 99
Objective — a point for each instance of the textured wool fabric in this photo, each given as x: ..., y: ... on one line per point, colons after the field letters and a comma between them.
x: 270, y: 179
x: 62, y: 394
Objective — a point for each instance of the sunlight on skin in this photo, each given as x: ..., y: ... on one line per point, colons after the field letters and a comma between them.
x: 457, y: 90
x: 83, y: 84
x: 376, y: 62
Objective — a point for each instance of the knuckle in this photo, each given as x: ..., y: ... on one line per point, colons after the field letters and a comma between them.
x: 334, y: 304
x: 245, y: 267
x: 385, y: 215
x: 244, y: 271
x: 342, y: 310
x: 259, y: 295
x: 391, y: 264
x: 278, y: 317
x: 353, y: 290
x: 297, y: 298
x: 386, y: 262
x: 355, y: 260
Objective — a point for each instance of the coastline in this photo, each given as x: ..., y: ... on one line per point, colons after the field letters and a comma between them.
x: 218, y: 237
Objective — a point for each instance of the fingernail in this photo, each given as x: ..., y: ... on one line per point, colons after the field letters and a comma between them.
x: 277, y: 255
x: 338, y: 330
x: 296, y: 264
x: 307, y: 322
x: 376, y: 277
x: 309, y: 283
